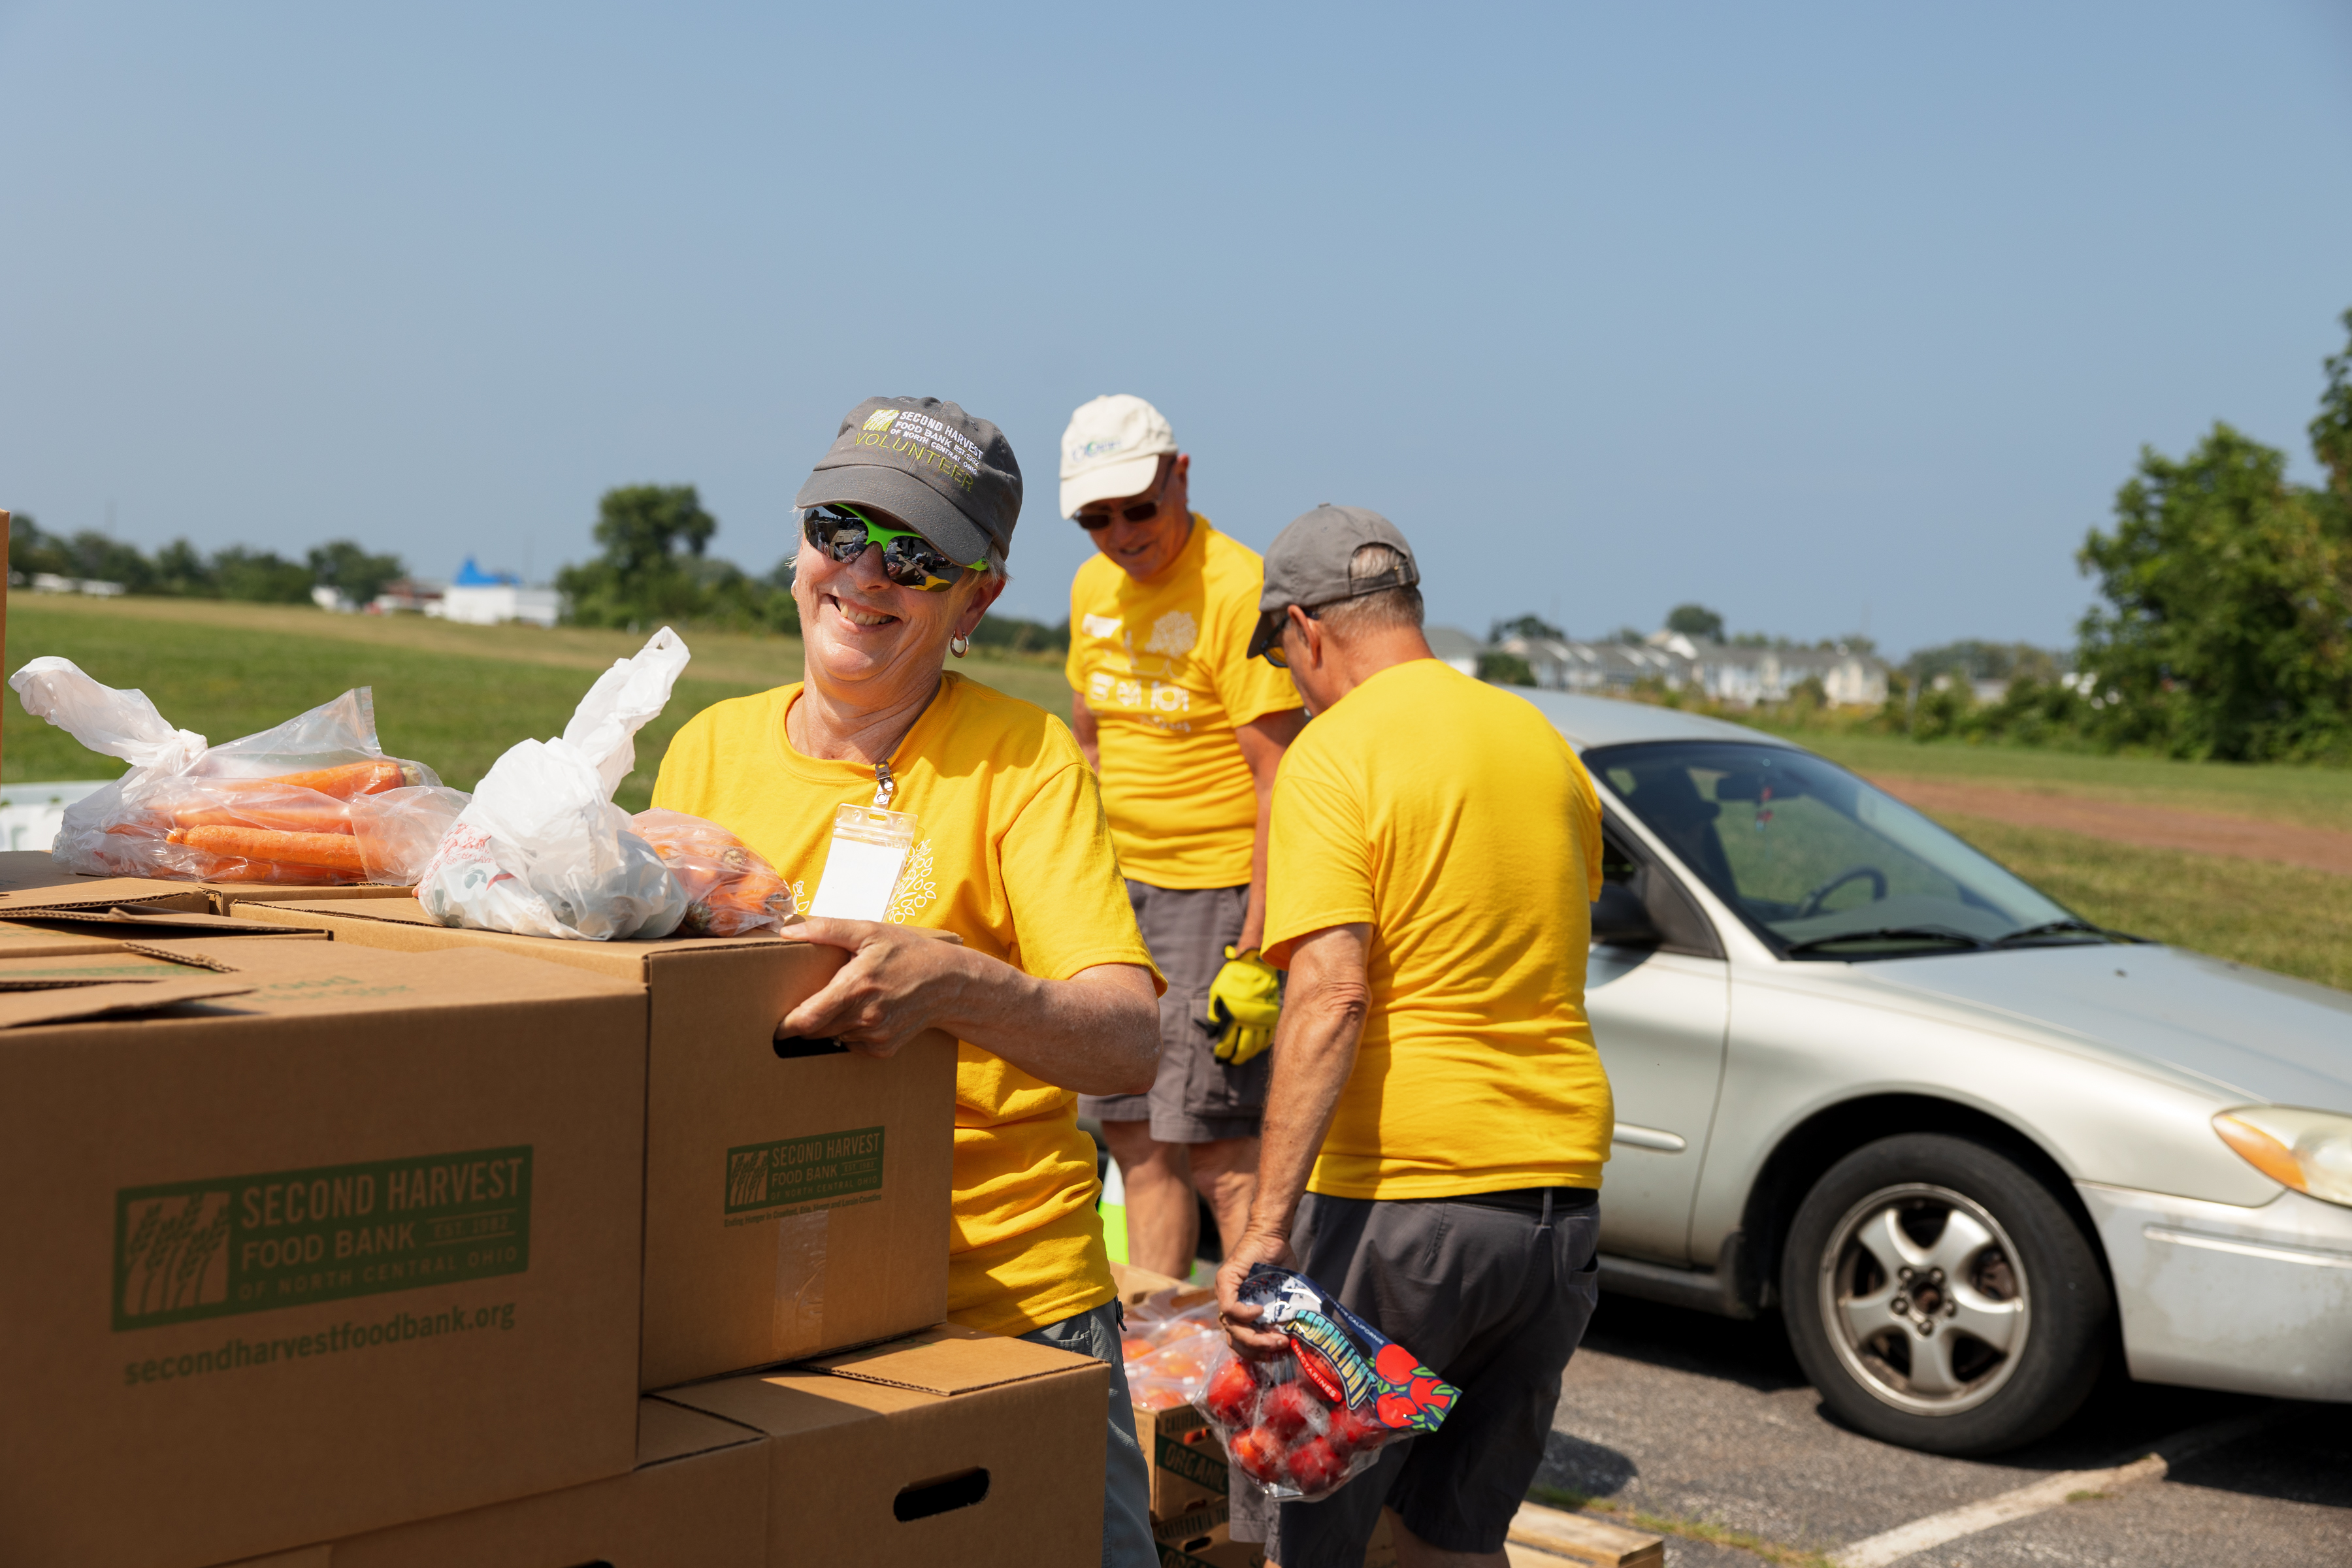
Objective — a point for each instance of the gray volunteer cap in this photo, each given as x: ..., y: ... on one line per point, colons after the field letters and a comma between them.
x: 946, y: 475
x: 1308, y: 566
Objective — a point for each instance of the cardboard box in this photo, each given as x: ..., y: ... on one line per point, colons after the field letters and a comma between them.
x: 30, y: 870
x: 1194, y: 1524
x: 20, y: 939
x: 795, y: 1202
x: 224, y: 894
x: 946, y: 1446
x: 1218, y: 1549
x: 29, y: 879
x: 1135, y: 1286
x: 697, y: 1499
x: 350, y: 1240
x: 1188, y: 1464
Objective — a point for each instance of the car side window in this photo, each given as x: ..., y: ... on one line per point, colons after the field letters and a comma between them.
x: 1682, y: 926
x: 1616, y: 864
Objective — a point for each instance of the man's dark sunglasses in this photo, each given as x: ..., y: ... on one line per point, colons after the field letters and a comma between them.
x: 1274, y: 654
x: 907, y: 558
x: 1134, y: 511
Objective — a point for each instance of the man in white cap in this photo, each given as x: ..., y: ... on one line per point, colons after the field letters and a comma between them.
x: 1185, y: 729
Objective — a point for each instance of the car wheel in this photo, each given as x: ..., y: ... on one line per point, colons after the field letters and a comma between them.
x: 1939, y: 1297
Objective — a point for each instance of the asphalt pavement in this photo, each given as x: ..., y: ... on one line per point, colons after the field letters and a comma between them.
x: 1708, y: 1424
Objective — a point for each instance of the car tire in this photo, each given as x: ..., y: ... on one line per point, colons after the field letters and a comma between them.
x: 1940, y: 1297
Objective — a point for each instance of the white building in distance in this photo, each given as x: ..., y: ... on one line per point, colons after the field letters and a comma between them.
x: 480, y: 598
x: 1738, y: 677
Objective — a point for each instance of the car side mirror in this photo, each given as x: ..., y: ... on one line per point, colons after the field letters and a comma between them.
x: 1620, y: 916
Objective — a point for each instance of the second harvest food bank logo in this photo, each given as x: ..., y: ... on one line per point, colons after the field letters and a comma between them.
x: 765, y: 1180
x: 185, y: 1250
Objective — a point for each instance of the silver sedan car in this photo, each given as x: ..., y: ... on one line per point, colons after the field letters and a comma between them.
x: 1968, y: 1143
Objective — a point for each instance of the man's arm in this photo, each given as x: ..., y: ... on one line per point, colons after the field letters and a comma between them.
x: 1313, y: 1053
x: 1082, y: 725
x: 1261, y: 741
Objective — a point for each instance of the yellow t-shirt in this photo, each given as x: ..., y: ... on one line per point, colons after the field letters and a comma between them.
x: 1455, y: 820
x: 1164, y: 664
x: 1011, y: 853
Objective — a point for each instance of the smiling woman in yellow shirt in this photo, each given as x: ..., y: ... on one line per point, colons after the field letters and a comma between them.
x: 905, y: 527
x: 1011, y: 853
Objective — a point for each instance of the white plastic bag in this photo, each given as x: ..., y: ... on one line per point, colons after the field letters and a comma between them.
x: 313, y: 800
x: 541, y: 850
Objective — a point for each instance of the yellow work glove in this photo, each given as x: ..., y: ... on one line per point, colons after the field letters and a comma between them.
x: 1245, y: 1000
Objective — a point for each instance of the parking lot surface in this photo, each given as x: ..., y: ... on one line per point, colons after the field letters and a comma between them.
x: 1707, y: 1428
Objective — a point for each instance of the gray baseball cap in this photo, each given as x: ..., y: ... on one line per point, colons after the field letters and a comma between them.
x: 1308, y: 566
x: 946, y: 475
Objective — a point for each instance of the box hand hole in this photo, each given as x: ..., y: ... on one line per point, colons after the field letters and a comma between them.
x: 791, y: 1046
x: 944, y: 1495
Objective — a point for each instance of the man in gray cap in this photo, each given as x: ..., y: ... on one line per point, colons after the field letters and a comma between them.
x: 1438, y: 1118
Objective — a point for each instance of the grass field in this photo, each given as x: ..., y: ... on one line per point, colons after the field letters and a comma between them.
x: 450, y: 696
x: 2308, y: 797
x: 455, y: 697
x: 2279, y: 918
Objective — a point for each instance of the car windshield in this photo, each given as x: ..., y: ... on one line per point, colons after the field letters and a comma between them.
x: 1817, y: 862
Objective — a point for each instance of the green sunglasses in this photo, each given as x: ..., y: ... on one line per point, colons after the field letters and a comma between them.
x: 908, y: 559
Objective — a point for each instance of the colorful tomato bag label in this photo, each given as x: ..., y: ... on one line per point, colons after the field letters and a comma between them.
x: 1304, y: 1425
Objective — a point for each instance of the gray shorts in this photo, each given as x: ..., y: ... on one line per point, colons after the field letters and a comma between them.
x: 1493, y: 1298
x: 1196, y: 1098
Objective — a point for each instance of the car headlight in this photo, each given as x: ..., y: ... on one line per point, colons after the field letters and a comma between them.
x: 2310, y: 1150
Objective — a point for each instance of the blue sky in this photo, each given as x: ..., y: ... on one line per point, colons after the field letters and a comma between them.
x: 1809, y: 312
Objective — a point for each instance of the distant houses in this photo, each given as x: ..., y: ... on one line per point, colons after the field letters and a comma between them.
x: 1734, y: 675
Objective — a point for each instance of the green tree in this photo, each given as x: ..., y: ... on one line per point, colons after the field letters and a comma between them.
x: 649, y: 535
x: 181, y: 569
x: 31, y: 551
x: 260, y: 576
x: 2331, y: 432
x: 1525, y: 627
x: 1696, y: 621
x: 1504, y: 670
x: 2227, y: 631
x: 341, y: 565
x: 1011, y: 634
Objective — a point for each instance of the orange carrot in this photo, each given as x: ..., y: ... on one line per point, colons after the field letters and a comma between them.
x: 279, y: 809
x: 334, y: 851
x: 272, y: 871
x: 349, y: 781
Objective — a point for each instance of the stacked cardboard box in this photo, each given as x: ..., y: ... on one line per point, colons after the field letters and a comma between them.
x: 797, y: 1195
x: 352, y: 1240
x: 304, y: 1241
x: 1190, y: 1481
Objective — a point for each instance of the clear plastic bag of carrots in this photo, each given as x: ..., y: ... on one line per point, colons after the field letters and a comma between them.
x: 730, y: 890
x: 313, y: 801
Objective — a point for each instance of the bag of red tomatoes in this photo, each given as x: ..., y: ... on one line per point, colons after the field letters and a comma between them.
x: 1304, y: 1424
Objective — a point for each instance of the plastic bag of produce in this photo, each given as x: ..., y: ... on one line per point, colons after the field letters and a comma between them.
x: 1303, y: 1424
x: 729, y: 890
x: 541, y: 849
x: 314, y: 800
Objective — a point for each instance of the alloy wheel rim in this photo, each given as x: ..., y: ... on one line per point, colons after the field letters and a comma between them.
x: 1926, y: 1301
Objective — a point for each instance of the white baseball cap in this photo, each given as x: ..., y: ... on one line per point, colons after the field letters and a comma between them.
x: 1112, y: 448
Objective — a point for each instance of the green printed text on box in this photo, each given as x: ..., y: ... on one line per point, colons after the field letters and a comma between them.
x: 803, y: 1172
x: 248, y: 1244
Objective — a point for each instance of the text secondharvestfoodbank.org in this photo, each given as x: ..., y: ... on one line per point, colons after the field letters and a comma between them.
x: 236, y: 1351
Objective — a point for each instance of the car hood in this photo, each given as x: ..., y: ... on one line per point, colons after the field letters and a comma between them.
x: 2252, y: 1034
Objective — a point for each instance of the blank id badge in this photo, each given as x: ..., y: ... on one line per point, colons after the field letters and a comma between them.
x: 862, y: 868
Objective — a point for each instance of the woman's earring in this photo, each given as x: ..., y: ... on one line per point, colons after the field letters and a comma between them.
x: 958, y: 645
